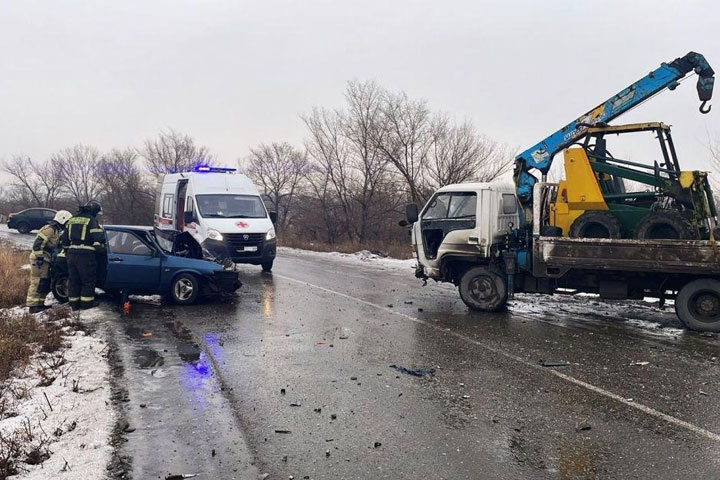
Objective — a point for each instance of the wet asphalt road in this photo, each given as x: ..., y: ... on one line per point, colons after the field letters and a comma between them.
x: 325, y: 332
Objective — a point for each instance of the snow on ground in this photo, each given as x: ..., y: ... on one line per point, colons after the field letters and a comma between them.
x: 362, y: 257
x: 74, y: 413
x: 16, y: 237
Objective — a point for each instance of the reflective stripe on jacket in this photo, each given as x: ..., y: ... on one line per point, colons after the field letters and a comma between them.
x: 46, y: 241
x: 82, y: 232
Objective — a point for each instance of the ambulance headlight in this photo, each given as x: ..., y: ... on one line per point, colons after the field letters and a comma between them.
x: 270, y: 234
x: 214, y: 235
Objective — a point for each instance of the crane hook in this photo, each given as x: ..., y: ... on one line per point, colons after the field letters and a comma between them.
x: 703, y: 109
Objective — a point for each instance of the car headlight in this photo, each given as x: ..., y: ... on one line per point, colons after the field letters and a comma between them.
x: 214, y: 235
x: 270, y: 234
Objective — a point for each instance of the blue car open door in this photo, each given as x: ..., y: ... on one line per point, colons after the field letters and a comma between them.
x: 132, y: 262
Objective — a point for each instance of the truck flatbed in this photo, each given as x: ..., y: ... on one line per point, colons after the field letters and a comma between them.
x: 560, y: 254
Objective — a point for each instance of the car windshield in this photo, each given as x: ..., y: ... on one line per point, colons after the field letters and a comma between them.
x: 230, y: 206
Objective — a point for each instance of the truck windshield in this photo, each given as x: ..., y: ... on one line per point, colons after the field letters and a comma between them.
x: 230, y: 206
x: 452, y: 205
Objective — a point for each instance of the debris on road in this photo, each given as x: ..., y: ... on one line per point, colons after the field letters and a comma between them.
x: 635, y: 364
x: 279, y: 430
x: 295, y: 404
x: 180, y: 476
x: 559, y: 363
x: 582, y: 426
x: 377, y: 444
x: 420, y: 372
x: 333, y: 417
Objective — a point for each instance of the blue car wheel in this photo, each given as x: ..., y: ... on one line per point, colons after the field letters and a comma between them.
x: 184, y: 289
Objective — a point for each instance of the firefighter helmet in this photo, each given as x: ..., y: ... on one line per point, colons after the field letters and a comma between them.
x: 92, y: 207
x: 62, y: 216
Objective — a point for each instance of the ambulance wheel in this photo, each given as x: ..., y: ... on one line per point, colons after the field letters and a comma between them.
x: 267, y: 266
x: 483, y: 290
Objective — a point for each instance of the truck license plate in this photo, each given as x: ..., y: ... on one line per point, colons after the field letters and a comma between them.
x: 251, y: 248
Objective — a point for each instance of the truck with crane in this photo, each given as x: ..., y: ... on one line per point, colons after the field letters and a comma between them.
x: 585, y: 233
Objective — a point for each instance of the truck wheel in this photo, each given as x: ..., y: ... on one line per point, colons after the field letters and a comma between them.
x: 23, y: 227
x: 698, y: 305
x: 184, y: 289
x: 550, y: 231
x: 664, y: 224
x: 595, y: 225
x: 267, y: 266
x: 483, y: 290
x: 59, y: 286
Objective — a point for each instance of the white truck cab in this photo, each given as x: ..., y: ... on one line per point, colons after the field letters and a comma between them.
x: 221, y: 211
x: 460, y: 223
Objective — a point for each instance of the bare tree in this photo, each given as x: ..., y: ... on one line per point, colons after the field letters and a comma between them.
x: 459, y: 154
x: 79, y: 168
x: 327, y: 147
x: 405, y: 137
x: 364, y: 130
x: 280, y: 169
x: 127, y: 192
x: 37, y: 184
x: 172, y: 151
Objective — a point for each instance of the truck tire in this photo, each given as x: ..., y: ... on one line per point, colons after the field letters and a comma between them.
x: 595, y: 225
x: 483, y: 290
x: 698, y: 305
x: 184, y: 289
x: 664, y: 224
x: 550, y: 231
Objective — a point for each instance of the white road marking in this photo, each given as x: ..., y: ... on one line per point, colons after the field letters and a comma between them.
x: 588, y: 386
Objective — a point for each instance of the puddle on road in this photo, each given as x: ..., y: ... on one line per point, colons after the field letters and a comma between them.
x: 147, y: 358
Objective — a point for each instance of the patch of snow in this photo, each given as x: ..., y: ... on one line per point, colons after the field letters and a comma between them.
x: 84, y: 417
x: 151, y: 299
x: 364, y: 257
x: 13, y: 236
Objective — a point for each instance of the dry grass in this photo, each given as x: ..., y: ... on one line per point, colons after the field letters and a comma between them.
x: 20, y: 335
x: 393, y: 249
x: 13, y: 281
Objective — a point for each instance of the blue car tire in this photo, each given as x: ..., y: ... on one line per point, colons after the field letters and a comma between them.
x: 184, y: 289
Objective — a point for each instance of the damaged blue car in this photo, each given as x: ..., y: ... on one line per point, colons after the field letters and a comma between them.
x: 136, y: 264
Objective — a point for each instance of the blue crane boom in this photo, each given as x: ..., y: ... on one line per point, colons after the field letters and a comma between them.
x: 540, y: 156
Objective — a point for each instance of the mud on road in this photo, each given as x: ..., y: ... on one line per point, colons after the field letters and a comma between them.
x: 294, y: 377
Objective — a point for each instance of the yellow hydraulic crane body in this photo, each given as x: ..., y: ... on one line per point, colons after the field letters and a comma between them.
x: 577, y: 193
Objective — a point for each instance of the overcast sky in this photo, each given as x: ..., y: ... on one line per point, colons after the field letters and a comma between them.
x: 233, y: 74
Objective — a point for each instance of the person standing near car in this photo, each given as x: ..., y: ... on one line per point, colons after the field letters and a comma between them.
x: 82, y: 239
x: 45, y: 243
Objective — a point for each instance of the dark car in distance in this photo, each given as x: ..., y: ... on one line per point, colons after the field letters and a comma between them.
x: 30, y: 219
x: 137, y: 264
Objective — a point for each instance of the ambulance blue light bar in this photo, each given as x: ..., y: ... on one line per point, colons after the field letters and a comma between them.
x: 208, y: 169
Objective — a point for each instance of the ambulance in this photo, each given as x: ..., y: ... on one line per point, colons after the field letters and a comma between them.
x: 217, y: 214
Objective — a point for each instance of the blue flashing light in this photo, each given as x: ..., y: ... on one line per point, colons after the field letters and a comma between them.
x: 209, y: 169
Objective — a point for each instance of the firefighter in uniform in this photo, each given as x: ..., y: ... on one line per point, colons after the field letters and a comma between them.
x: 81, y: 239
x: 45, y: 243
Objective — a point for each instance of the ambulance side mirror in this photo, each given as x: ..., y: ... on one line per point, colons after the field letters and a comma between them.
x: 188, y: 217
x: 273, y: 216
